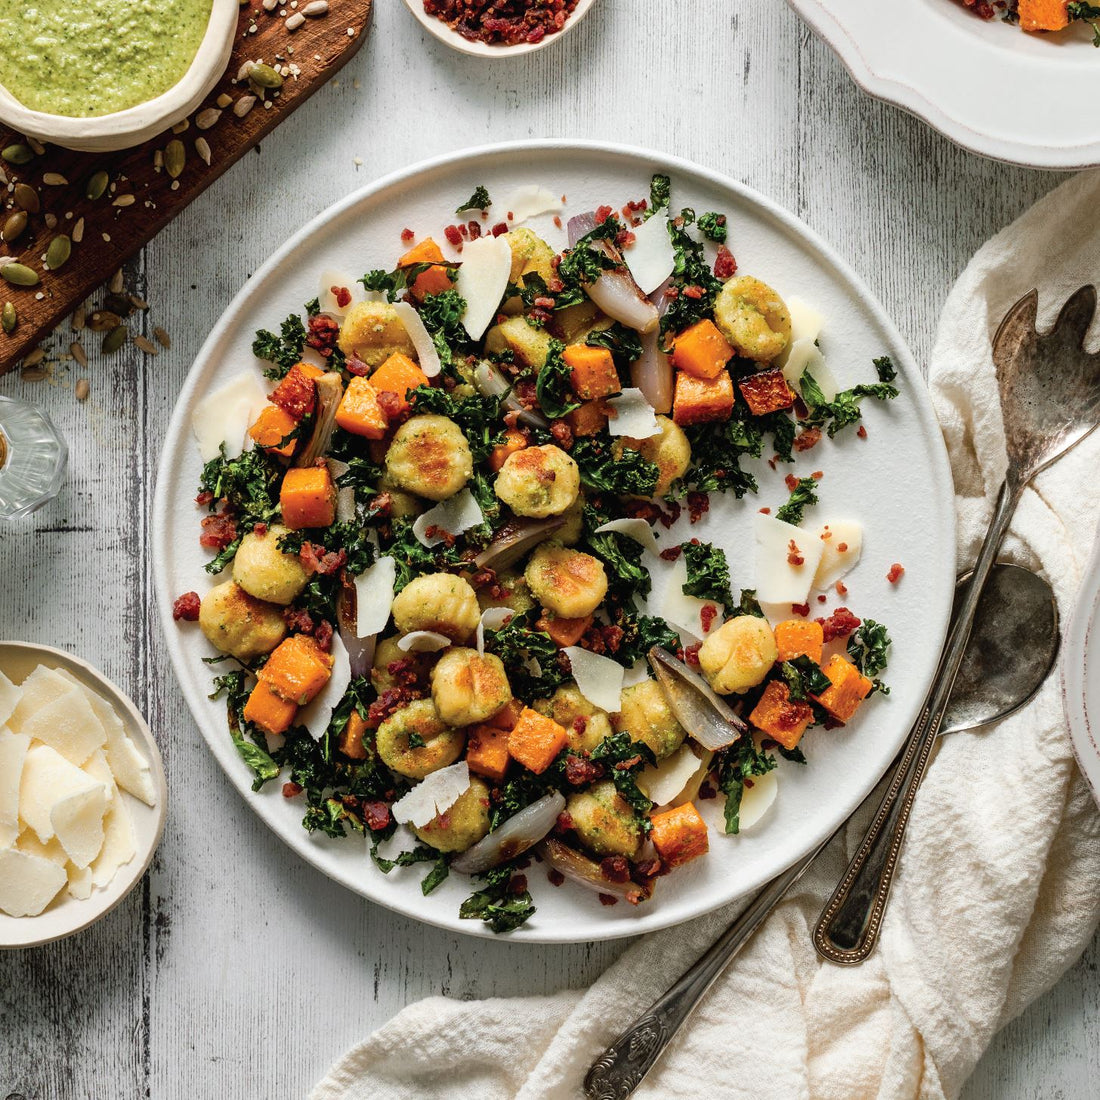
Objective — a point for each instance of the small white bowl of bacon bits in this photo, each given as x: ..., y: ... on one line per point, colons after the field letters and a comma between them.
x: 499, y: 28
x: 82, y: 795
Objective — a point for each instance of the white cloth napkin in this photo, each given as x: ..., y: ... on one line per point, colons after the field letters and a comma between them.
x: 997, y: 890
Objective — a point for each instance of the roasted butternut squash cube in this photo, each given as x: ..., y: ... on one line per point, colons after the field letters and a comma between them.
x: 351, y: 742
x: 434, y: 278
x: 1043, y: 15
x: 697, y: 400
x: 397, y: 375
x: 593, y: 374
x: 297, y: 669
x: 564, y: 632
x: 766, y: 392
x: 514, y: 440
x: 799, y: 638
x: 679, y: 835
x: 487, y: 751
x: 507, y: 716
x: 308, y: 497
x: 359, y: 411
x: 535, y: 740
x: 849, y: 687
x: 701, y: 351
x: 782, y: 720
x: 588, y: 419
x: 272, y: 426
x: 267, y: 711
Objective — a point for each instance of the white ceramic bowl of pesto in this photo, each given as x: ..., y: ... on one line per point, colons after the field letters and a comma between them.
x: 130, y: 125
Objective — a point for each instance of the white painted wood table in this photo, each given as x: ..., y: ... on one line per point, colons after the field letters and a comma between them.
x: 235, y: 970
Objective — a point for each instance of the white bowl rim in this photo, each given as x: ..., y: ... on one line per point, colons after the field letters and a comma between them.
x: 130, y: 874
x: 220, y: 28
x: 438, y: 29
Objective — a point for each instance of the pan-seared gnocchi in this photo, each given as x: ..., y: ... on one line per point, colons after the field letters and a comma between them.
x: 429, y: 457
x: 739, y: 654
x: 440, y: 602
x: 567, y: 582
x: 539, y: 482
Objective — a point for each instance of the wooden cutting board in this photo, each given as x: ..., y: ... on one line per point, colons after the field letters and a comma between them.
x: 142, y: 197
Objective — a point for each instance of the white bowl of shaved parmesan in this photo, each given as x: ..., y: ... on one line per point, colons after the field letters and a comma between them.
x: 82, y: 795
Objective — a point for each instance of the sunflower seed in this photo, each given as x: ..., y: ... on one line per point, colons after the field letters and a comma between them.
x: 244, y: 70
x: 294, y: 21
x: 138, y: 303
x: 60, y: 249
x: 244, y: 105
x: 125, y: 200
x: 158, y: 159
x: 50, y: 220
x: 202, y: 147
x: 17, y: 154
x: 78, y: 231
x: 207, y: 118
x: 76, y: 348
x: 34, y: 374
x: 181, y: 126
x: 34, y: 357
x: 145, y: 345
x: 114, y: 339
x: 77, y: 321
x: 175, y: 157
x: 265, y: 76
x: 14, y: 225
x: 27, y: 198
x: 82, y: 389
x: 162, y: 337
x: 270, y: 5
x: 96, y: 185
x: 8, y: 318
x: 224, y: 100
x: 19, y: 274
x: 36, y: 145
x: 117, y: 282
x: 103, y: 320
x: 54, y: 179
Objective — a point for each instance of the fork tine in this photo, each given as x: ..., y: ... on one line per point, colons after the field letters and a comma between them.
x: 1076, y: 315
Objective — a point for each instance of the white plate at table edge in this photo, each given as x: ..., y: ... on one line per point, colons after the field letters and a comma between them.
x: 1081, y: 670
x: 1003, y: 57
x: 69, y: 915
x: 783, y: 231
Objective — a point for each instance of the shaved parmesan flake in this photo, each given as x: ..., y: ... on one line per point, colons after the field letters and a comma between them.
x: 787, y: 558
x: 492, y: 618
x: 41, y: 687
x: 632, y: 415
x: 69, y: 725
x: 434, y: 795
x: 661, y: 783
x: 80, y: 881
x: 650, y: 258
x: 683, y: 611
x: 28, y: 883
x: 52, y: 851
x: 806, y: 321
x: 758, y: 798
x: 48, y: 778
x: 636, y: 529
x: 118, y: 844
x: 374, y: 597
x: 423, y: 641
x: 806, y: 355
x: 426, y: 353
x: 452, y: 516
x: 13, y: 751
x: 599, y: 679
x: 482, y: 280
x: 127, y: 763
x: 842, y: 540
x: 530, y: 201
x: 327, y: 299
x: 9, y: 698
x: 78, y: 823
x: 225, y: 416
x: 97, y: 767
x: 317, y: 713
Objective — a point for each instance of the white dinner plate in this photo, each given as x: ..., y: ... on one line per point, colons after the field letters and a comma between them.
x: 897, y: 481
x: 1081, y: 674
x: 988, y: 86
x: 66, y: 915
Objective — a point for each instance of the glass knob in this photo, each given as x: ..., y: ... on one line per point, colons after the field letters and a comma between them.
x: 33, y: 457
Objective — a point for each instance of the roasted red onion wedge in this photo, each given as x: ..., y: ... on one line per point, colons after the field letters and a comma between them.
x: 360, y: 650
x: 514, y: 837
x: 652, y: 373
x: 330, y: 388
x: 706, y: 716
x: 583, y: 870
x: 513, y: 540
x: 345, y: 495
x: 490, y: 381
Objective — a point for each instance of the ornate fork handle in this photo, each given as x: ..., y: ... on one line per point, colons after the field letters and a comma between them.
x: 620, y: 1069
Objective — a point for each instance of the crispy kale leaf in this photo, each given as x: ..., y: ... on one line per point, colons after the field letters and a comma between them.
x: 690, y: 269
x: 552, y: 386
x: 623, y: 759
x: 708, y: 572
x: 517, y: 643
x: 869, y: 649
x: 284, y: 350
x: 479, y: 200
x: 660, y: 194
x: 442, y: 317
x: 630, y: 474
x: 844, y: 409
x: 802, y: 495
x: 740, y: 762
x: 248, y: 483
x: 622, y: 558
x: 502, y: 909
x: 713, y: 227
x: 624, y: 343
x: 1088, y: 13
x: 640, y: 634
x: 583, y: 264
x: 477, y: 416
x: 803, y: 677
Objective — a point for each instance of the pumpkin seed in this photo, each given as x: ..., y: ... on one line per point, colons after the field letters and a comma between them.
x: 206, y: 118
x: 54, y: 179
x: 244, y: 105
x: 76, y: 348
x: 19, y: 274
x: 181, y: 126
x: 265, y: 76
x: 145, y: 345
x: 82, y: 388
x: 114, y: 339
x: 34, y: 374
x: 14, y: 225
x: 138, y: 303
x: 103, y: 320
x: 175, y: 157
x: 78, y: 231
x: 50, y: 220
x: 59, y: 250
x: 17, y: 154
x: 8, y: 318
x: 96, y: 185
x: 26, y: 197
x: 162, y: 337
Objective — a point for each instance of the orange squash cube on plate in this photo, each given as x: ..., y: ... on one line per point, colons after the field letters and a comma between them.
x: 433, y: 279
x: 766, y: 392
x: 589, y: 418
x: 507, y: 716
x: 782, y: 720
x: 564, y: 632
x: 799, y: 638
x: 487, y: 752
x: 535, y: 740
x: 701, y: 351
x: 848, y: 688
x: 593, y: 374
x: 272, y: 426
x: 359, y: 411
x: 679, y: 835
x: 514, y: 440
x: 697, y: 400
x: 351, y: 742
x: 308, y: 497
x: 297, y: 669
x: 1043, y: 15
x: 397, y: 375
x: 267, y: 711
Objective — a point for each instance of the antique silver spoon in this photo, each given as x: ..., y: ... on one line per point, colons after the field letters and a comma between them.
x: 1011, y: 650
x: 1050, y: 400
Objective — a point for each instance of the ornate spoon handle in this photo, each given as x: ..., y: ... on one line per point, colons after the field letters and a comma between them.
x: 620, y: 1069
x: 851, y: 921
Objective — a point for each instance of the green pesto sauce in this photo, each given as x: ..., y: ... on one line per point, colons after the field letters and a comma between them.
x: 92, y: 57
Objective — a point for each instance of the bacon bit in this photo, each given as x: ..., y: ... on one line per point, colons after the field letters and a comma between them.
x: 861, y: 431
x: 772, y: 461
x: 826, y: 534
x: 323, y: 635
x: 453, y: 235
x: 822, y: 599
x: 602, y: 214
x: 434, y: 531
x: 766, y: 511
x: 807, y: 439
x: 499, y: 229
x: 841, y: 547
x: 544, y: 303
x: 672, y: 293
x: 205, y: 497
x: 615, y: 869
x: 186, y: 607
x: 557, y: 221
x: 624, y: 238
x: 707, y: 791
x: 643, y: 509
x: 698, y: 506
x: 607, y: 899
x: 694, y: 292
x: 464, y: 231
x: 475, y: 230
x: 323, y: 332
x: 671, y: 515
x: 897, y: 571
x: 725, y: 266
x: 817, y: 475
x: 839, y: 624
x: 791, y: 482
x: 563, y: 434
x: 391, y: 700
x: 564, y: 823
x: 510, y: 216
x: 690, y: 655
x: 841, y: 588
x: 671, y: 554
x: 794, y: 555
x: 218, y: 531
x: 579, y: 771
x: 555, y: 876
x: 376, y: 816
x: 802, y: 609
x: 517, y: 884
x: 580, y: 724
x: 341, y: 294
x: 357, y: 366
x: 407, y: 234
x: 315, y: 559
x: 298, y: 620
x: 706, y: 616
x: 291, y: 789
